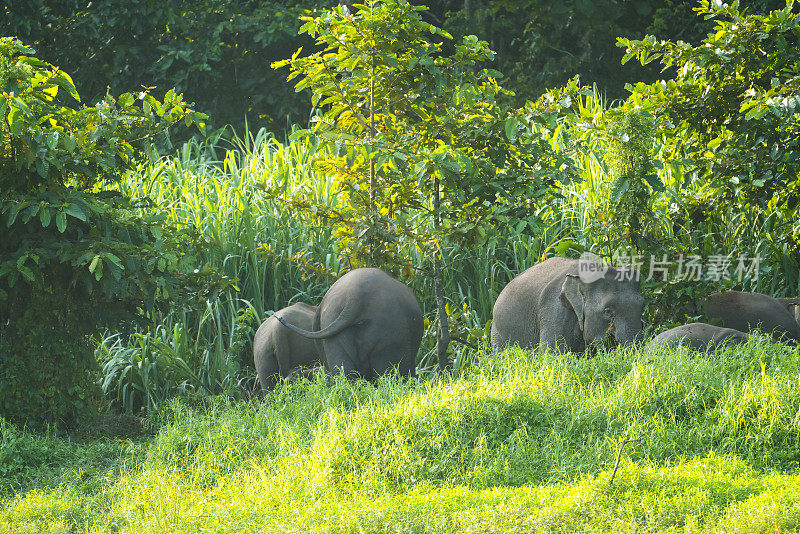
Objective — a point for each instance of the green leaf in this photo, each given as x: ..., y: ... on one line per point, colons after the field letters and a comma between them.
x: 125, y: 100
x: 655, y: 182
x: 69, y: 143
x: 52, y: 140
x: 16, y: 121
x: 26, y: 273
x: 13, y: 212
x: 61, y: 221
x: 564, y: 246
x: 77, y: 211
x: 45, y: 215
x: 511, y: 128
x: 65, y: 81
x: 94, y: 262
x: 115, y: 260
x: 619, y: 188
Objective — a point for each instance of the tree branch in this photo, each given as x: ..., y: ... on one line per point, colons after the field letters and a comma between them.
x: 619, y: 455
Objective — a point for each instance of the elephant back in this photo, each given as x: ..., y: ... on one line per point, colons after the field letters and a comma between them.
x: 746, y: 311
x: 516, y: 312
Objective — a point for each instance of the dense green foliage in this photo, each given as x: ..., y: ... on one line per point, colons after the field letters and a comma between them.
x: 700, y: 165
x: 519, y: 442
x: 732, y: 107
x: 542, y: 44
x: 218, y: 52
x: 74, y: 257
x: 416, y: 136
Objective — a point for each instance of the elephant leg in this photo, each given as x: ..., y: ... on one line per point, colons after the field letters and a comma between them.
x: 341, y: 354
x: 268, y: 371
x: 555, y: 341
x: 389, y: 358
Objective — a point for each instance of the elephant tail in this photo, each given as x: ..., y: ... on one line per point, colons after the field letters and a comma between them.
x: 344, y: 320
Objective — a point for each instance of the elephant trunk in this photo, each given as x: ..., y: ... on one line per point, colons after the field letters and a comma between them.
x: 625, y: 335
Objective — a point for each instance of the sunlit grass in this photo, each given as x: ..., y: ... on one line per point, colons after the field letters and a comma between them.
x: 517, y: 442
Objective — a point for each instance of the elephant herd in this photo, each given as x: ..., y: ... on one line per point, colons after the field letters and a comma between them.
x: 369, y: 324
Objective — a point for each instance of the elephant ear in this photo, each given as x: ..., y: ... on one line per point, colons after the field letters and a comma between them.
x: 571, y: 290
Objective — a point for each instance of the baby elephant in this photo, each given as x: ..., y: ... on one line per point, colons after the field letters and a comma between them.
x: 699, y: 336
x: 747, y: 311
x: 279, y: 352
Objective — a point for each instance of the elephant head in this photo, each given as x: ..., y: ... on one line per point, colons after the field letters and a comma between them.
x: 609, y: 310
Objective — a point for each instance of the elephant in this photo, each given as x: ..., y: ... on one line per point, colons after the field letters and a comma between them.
x: 367, y: 324
x: 789, y: 302
x: 549, y: 305
x: 747, y: 311
x: 699, y: 336
x: 794, y: 309
x: 279, y: 352
x: 793, y: 305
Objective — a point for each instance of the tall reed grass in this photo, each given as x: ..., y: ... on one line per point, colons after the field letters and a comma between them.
x: 234, y: 197
x: 233, y: 193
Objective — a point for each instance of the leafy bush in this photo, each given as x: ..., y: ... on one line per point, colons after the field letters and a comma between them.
x: 732, y: 111
x: 145, y: 370
x: 215, y: 52
x: 75, y: 257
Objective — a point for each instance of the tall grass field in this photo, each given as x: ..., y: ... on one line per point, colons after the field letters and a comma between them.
x: 235, y: 195
x: 519, y: 442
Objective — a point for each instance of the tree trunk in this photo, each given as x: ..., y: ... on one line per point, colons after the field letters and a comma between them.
x: 372, y: 210
x: 372, y: 136
x: 443, y: 341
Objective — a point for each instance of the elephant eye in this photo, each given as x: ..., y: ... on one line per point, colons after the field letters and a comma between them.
x: 608, y: 312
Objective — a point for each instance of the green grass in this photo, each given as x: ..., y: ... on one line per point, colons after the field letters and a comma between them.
x: 517, y: 442
x: 234, y: 194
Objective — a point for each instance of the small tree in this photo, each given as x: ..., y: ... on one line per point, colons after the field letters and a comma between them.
x: 418, y: 140
x: 728, y: 123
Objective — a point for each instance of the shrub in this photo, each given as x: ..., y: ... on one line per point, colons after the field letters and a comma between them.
x: 74, y: 257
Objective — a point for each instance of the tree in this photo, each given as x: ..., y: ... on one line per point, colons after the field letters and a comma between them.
x: 726, y: 124
x: 733, y: 107
x: 419, y: 139
x: 74, y: 257
x: 542, y: 44
x: 216, y: 52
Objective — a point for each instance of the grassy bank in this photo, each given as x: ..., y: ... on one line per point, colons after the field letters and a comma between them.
x: 522, y: 442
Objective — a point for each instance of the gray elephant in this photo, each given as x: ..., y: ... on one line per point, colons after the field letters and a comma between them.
x: 747, y: 311
x: 549, y: 305
x: 280, y: 353
x: 367, y: 324
x: 793, y: 305
x: 699, y: 336
x: 794, y: 309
